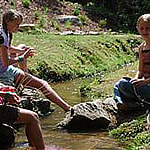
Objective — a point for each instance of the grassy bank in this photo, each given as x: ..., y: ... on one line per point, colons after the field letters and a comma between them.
x: 65, y: 57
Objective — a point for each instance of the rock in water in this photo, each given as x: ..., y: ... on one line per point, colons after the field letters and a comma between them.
x: 88, y: 115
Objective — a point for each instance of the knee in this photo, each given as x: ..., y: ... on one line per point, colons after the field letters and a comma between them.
x: 33, y: 118
x: 122, y: 84
x: 119, y: 83
x: 44, y: 83
x: 35, y: 115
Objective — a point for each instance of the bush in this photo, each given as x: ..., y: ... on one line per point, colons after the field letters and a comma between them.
x: 26, y: 3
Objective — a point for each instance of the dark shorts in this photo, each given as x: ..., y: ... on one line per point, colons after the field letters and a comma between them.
x: 8, y: 114
x: 8, y: 77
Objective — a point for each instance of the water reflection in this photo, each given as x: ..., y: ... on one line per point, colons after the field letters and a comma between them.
x: 69, y: 140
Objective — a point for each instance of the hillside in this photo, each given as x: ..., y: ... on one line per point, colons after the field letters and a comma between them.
x: 43, y: 14
x: 94, y: 14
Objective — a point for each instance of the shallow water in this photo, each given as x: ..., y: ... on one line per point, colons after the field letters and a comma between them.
x: 59, y: 140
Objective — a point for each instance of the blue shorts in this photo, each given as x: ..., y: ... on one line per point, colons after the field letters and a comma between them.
x: 8, y: 77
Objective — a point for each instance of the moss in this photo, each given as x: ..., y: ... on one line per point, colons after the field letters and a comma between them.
x: 133, y: 134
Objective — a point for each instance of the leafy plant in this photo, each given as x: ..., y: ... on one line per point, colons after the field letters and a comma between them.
x: 43, y: 22
x: 68, y: 24
x: 45, y: 10
x: 85, y: 88
x: 76, y: 11
x: 55, y: 24
x: 26, y: 3
x: 83, y: 18
x: 37, y: 15
x: 102, y: 23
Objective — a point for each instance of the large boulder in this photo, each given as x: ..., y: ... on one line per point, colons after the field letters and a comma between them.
x: 89, y: 115
x: 99, y: 115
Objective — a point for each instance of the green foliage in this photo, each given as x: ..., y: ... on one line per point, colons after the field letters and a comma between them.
x: 45, y: 10
x: 55, y: 24
x: 43, y: 70
x: 83, y: 18
x: 102, y: 23
x: 68, y: 24
x: 140, y: 142
x: 37, y: 15
x: 42, y: 22
x: 133, y: 133
x: 120, y: 15
x: 85, y: 88
x: 76, y: 11
x: 78, y: 56
x: 26, y: 3
x: 128, y: 130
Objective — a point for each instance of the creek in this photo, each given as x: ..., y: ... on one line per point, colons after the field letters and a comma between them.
x: 56, y: 139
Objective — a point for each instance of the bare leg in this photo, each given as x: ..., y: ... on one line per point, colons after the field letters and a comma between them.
x: 28, y: 80
x: 33, y: 128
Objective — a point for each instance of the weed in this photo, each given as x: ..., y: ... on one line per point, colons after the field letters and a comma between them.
x: 83, y: 19
x: 102, y: 23
x: 42, y: 22
x: 26, y: 3
x: 55, y: 24
x: 68, y: 24
x: 37, y: 14
x: 85, y: 88
x: 76, y: 11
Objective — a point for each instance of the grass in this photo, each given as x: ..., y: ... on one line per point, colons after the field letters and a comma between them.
x: 75, y: 56
x: 133, y: 134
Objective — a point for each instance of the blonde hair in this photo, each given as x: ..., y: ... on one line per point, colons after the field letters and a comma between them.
x: 144, y: 18
x: 9, y: 16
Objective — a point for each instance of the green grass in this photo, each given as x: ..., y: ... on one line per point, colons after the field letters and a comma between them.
x: 76, y: 56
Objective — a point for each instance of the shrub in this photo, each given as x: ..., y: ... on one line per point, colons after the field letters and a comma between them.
x: 102, y: 23
x: 26, y: 3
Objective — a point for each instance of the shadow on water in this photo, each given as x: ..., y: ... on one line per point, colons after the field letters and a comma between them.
x: 73, y: 140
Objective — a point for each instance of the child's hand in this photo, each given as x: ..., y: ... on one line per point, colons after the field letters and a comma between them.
x: 29, y: 52
x: 138, y: 82
x: 134, y: 80
x: 26, y: 48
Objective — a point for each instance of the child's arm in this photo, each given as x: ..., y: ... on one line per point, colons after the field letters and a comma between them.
x: 6, y: 60
x: 138, y: 75
x: 15, y: 49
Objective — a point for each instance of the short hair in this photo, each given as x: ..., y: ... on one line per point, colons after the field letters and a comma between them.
x: 9, y: 16
x: 145, y: 18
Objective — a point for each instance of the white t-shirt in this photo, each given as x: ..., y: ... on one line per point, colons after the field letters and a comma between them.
x: 6, y: 43
x: 6, y: 38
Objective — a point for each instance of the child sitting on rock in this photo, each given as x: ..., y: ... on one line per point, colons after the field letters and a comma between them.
x: 10, y: 75
x: 137, y: 89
